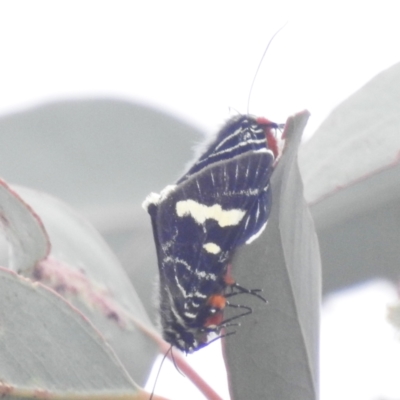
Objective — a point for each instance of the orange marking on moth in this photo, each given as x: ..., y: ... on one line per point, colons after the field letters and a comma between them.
x: 228, y: 278
x: 217, y: 302
x: 215, y: 320
x: 271, y: 139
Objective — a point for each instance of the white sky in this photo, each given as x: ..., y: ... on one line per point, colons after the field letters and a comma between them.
x: 196, y: 59
x: 360, y: 351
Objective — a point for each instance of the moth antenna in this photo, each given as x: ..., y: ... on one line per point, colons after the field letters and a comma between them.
x: 259, y: 65
x: 159, y: 370
x: 230, y: 109
x: 175, y: 364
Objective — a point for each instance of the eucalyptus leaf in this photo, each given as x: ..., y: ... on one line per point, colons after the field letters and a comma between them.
x: 351, y: 173
x: 48, y: 346
x: 82, y: 269
x: 274, y: 353
x: 23, y: 229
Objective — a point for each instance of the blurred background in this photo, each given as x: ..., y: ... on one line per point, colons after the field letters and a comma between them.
x: 101, y: 102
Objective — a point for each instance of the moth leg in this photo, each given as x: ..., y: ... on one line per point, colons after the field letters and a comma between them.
x: 220, y: 337
x: 237, y: 289
x: 227, y: 322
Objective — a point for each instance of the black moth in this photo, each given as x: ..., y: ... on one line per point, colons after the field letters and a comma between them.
x: 222, y: 202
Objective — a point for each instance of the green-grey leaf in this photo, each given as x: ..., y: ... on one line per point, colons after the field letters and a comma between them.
x: 84, y: 271
x: 274, y: 353
x: 351, y: 173
x: 47, y: 345
x: 23, y: 230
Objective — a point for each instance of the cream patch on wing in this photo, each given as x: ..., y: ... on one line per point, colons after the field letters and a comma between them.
x: 200, y: 213
x: 211, y: 248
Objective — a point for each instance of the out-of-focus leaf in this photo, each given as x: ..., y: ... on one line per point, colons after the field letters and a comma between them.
x: 84, y: 271
x: 47, y: 346
x: 394, y: 315
x: 79, y: 267
x: 351, y: 174
x: 23, y: 229
x: 274, y: 353
x: 93, y: 152
x: 103, y: 157
x: 358, y: 139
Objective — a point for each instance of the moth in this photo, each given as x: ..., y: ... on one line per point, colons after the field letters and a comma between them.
x: 221, y: 203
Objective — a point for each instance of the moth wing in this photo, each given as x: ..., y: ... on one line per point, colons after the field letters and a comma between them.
x: 198, y: 224
x: 225, y: 204
x: 240, y: 183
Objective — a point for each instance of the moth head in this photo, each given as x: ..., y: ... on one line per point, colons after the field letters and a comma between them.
x: 248, y: 133
x: 185, y: 339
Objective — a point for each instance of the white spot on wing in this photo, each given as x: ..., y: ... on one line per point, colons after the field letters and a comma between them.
x: 217, y: 153
x: 198, y: 186
x: 265, y: 151
x: 175, y: 261
x: 212, y: 178
x: 207, y: 276
x: 247, y: 222
x: 258, y: 211
x: 240, y: 144
x: 189, y: 315
x: 232, y: 135
x: 166, y: 191
x: 200, y: 213
x: 155, y: 198
x: 256, y: 235
x: 211, y: 248
x: 152, y: 198
x: 173, y: 309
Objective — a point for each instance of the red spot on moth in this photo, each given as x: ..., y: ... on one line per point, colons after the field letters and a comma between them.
x: 217, y: 301
x: 214, y: 320
x: 228, y: 278
x: 271, y: 139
